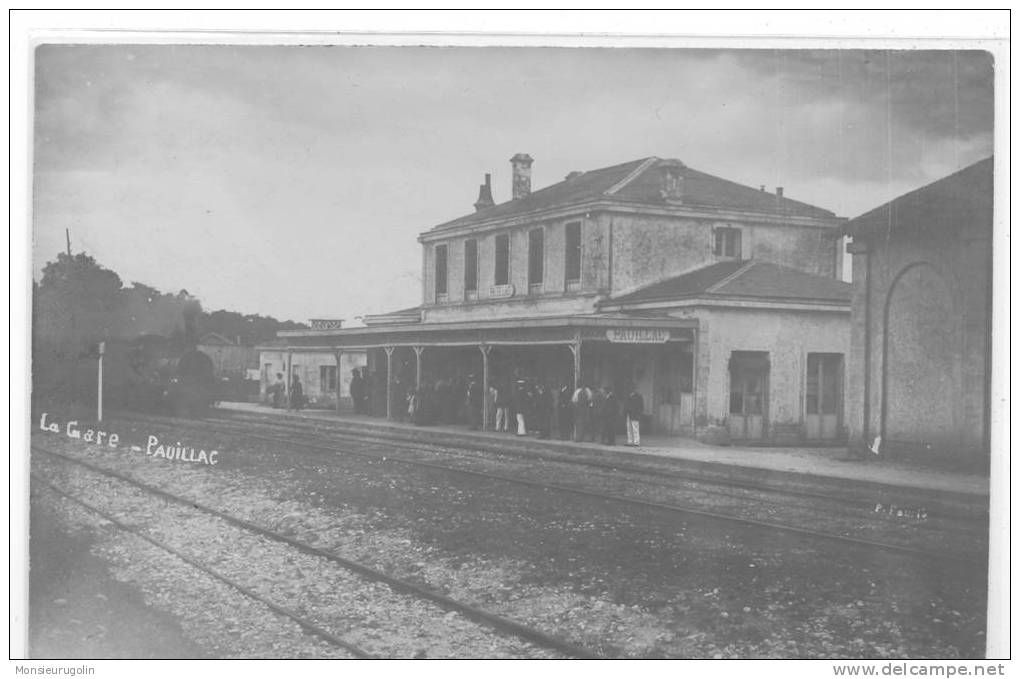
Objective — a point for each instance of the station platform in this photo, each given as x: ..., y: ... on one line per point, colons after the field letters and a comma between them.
x: 904, y: 483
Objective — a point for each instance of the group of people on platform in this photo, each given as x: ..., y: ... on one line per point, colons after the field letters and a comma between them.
x: 439, y: 401
x: 521, y: 406
x: 530, y: 407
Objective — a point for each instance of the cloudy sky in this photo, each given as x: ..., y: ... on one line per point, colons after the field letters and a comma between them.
x: 293, y: 181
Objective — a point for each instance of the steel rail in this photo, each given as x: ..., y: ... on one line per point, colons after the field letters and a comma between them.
x: 465, y: 450
x: 471, y: 612
x: 556, y: 458
x: 304, y: 623
x: 927, y: 555
x: 239, y: 419
x: 778, y: 527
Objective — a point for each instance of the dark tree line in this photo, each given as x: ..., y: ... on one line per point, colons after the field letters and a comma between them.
x: 78, y: 301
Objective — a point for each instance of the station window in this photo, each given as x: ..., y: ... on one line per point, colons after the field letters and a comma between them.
x: 441, y: 279
x: 502, y: 259
x: 536, y: 257
x: 572, y: 254
x: 727, y: 242
x: 823, y: 383
x: 470, y: 265
x: 327, y: 378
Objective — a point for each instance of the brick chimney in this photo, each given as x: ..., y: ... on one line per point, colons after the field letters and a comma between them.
x: 485, y: 194
x: 779, y: 191
x: 521, y: 164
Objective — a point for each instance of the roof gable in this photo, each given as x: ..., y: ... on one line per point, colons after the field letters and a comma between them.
x: 639, y: 181
x: 212, y: 338
x: 703, y: 189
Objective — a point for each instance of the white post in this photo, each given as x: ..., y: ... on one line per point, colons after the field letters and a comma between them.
x: 289, y: 376
x: 417, y: 366
x: 339, y: 378
x: 575, y: 348
x: 485, y: 385
x: 102, y: 352
x: 389, y: 382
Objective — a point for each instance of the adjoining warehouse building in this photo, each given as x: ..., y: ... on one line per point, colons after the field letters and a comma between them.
x: 722, y: 303
x: 920, y: 364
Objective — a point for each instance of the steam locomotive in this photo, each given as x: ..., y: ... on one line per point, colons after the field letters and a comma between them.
x: 150, y: 373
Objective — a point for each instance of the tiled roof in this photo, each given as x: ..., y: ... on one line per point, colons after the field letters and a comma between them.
x: 586, y: 186
x: 211, y: 338
x: 398, y: 312
x: 638, y: 181
x: 742, y: 279
x: 410, y: 314
x: 964, y: 197
x: 705, y: 190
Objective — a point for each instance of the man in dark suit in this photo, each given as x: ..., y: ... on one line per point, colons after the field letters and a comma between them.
x: 610, y: 412
x: 357, y: 390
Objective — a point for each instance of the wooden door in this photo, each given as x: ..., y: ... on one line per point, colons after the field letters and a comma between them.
x: 749, y: 372
x: 823, y: 402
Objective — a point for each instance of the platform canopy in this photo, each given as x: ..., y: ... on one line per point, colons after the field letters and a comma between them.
x: 619, y: 329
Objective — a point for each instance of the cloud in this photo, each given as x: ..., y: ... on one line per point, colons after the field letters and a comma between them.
x: 293, y: 180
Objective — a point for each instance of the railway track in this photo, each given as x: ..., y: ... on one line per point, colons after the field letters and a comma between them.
x: 658, y: 477
x: 304, y: 623
x: 654, y: 475
x: 481, y: 617
x: 323, y: 445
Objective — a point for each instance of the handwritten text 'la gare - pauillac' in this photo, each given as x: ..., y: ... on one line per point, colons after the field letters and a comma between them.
x: 152, y: 447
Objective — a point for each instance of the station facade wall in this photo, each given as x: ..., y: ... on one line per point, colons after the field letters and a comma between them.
x: 620, y: 252
x: 647, y: 248
x: 786, y: 338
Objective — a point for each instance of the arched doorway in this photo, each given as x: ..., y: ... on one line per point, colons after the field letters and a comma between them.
x: 920, y: 377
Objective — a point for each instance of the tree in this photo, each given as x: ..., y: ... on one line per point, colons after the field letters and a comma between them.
x: 74, y: 306
x: 76, y: 300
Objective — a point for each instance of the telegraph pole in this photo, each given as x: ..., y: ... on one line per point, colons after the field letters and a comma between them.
x: 70, y: 340
x: 99, y: 380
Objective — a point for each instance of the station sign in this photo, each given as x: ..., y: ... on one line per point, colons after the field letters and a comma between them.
x: 326, y: 323
x: 638, y: 335
x: 501, y: 291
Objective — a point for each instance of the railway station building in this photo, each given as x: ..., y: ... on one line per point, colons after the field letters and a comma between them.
x: 920, y: 360
x: 721, y: 303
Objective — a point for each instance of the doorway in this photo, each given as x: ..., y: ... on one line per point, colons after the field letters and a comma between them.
x: 823, y: 397
x: 749, y: 377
